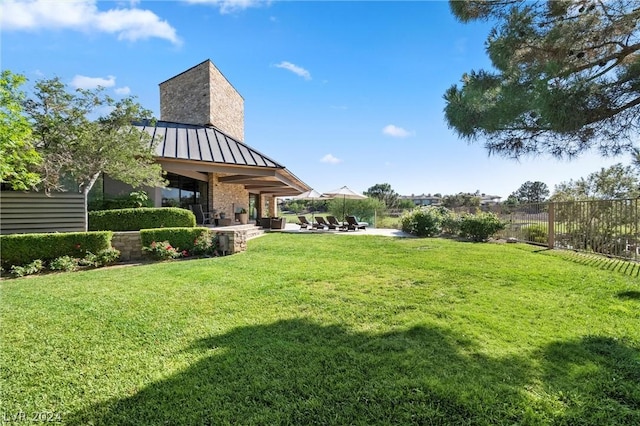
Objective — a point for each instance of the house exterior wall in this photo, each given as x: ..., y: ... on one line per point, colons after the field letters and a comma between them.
x: 203, y: 96
x: 226, y: 198
x: 32, y: 212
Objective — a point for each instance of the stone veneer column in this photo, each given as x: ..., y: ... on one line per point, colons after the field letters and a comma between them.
x: 226, y: 198
x: 203, y: 96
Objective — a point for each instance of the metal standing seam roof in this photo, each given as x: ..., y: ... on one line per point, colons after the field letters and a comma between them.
x: 202, y: 143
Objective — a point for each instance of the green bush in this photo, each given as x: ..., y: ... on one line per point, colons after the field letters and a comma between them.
x: 536, y: 234
x: 140, y: 218
x: 205, y: 245
x: 424, y: 221
x: 102, y: 258
x: 22, y: 249
x: 32, y: 268
x: 64, y: 264
x: 163, y: 250
x: 481, y: 226
x: 180, y: 238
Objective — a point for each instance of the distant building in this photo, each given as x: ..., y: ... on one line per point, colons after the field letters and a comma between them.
x: 432, y: 200
x: 488, y: 200
x: 422, y: 200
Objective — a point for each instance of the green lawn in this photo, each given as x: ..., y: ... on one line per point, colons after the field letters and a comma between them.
x: 326, y: 329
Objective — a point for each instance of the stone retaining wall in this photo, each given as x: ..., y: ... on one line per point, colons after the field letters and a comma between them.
x: 130, y: 245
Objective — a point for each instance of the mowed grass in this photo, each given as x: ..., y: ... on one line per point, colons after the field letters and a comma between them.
x: 325, y: 329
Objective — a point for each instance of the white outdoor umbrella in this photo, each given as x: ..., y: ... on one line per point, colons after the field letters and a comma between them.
x: 312, y: 195
x: 344, y: 193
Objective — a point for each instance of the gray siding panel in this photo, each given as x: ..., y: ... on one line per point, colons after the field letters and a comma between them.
x: 31, y: 212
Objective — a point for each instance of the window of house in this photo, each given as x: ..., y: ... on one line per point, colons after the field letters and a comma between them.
x: 183, y: 191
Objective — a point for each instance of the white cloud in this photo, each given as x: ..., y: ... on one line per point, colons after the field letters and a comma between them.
x: 230, y: 6
x: 124, y: 91
x: 295, y: 69
x: 396, y: 132
x: 83, y: 15
x: 84, y: 82
x: 330, y: 159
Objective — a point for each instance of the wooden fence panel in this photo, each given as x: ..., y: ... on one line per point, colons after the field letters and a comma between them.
x: 32, y: 212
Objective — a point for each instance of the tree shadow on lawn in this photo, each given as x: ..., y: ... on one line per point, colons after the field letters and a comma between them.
x: 629, y: 295
x: 596, y: 379
x: 300, y: 372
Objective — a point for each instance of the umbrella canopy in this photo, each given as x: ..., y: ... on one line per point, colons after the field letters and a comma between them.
x: 312, y: 195
x: 344, y: 193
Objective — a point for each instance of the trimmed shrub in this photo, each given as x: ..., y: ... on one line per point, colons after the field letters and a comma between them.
x: 481, y: 226
x: 140, y: 218
x: 180, y: 238
x: 450, y: 222
x: 424, y: 221
x: 22, y: 249
x: 536, y: 234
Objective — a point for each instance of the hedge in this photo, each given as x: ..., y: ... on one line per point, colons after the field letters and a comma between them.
x: 481, y: 226
x: 140, y: 218
x: 21, y: 249
x: 180, y: 238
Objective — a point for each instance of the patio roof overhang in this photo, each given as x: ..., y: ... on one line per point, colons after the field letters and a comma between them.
x: 195, y: 151
x: 278, y: 182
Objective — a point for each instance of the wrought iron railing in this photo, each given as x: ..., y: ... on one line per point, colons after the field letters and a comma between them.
x: 608, y: 227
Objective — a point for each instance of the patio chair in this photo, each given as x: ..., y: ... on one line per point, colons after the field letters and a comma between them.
x: 202, y: 217
x: 334, y: 224
x: 321, y: 223
x: 304, y: 223
x: 278, y: 223
x: 352, y: 223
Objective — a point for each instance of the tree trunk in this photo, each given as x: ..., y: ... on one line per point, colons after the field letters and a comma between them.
x: 85, y: 191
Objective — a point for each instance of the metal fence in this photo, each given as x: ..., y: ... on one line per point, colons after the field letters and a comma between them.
x: 608, y: 227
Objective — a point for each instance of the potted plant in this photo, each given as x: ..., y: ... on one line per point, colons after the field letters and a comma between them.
x: 243, y: 216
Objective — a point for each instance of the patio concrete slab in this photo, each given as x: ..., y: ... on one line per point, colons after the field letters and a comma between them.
x: 294, y: 228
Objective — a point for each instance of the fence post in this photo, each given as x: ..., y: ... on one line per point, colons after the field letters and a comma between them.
x: 552, y: 219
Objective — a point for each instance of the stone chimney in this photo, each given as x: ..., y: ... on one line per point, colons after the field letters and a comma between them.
x: 203, y: 96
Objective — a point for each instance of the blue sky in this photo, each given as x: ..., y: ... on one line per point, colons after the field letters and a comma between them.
x: 341, y: 92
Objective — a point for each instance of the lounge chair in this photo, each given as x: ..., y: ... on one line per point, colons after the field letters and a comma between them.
x: 202, y: 217
x: 334, y: 224
x: 352, y: 223
x: 304, y: 223
x: 321, y: 223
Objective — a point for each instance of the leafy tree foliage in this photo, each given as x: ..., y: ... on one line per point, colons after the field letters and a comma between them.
x: 531, y: 192
x: 76, y: 146
x: 17, y: 154
x: 635, y: 159
x: 365, y: 209
x: 405, y: 204
x: 384, y: 193
x: 461, y: 200
x: 567, y: 78
x: 615, y: 182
